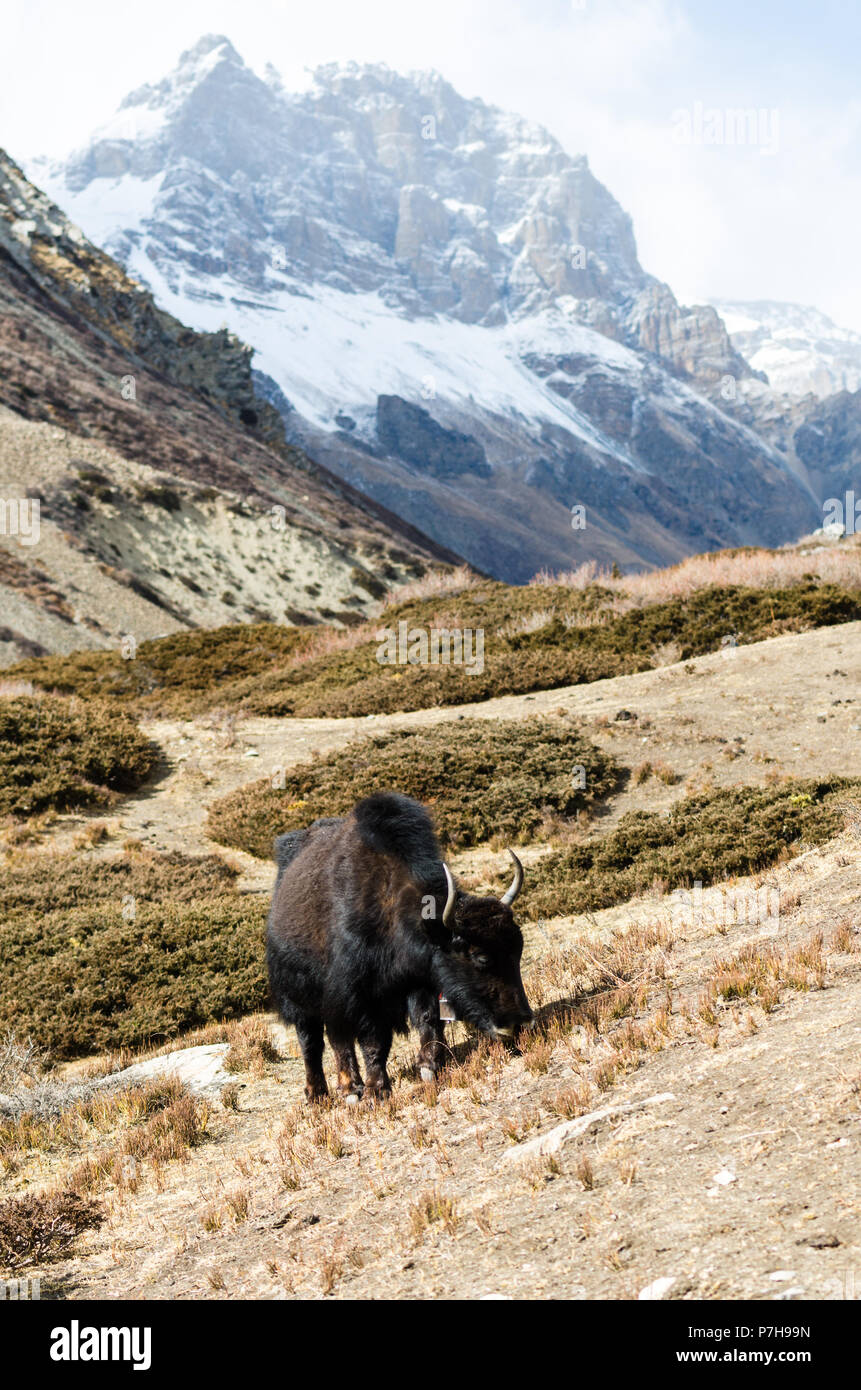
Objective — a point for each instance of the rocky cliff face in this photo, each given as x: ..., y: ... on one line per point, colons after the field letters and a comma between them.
x: 58, y: 257
x: 447, y: 308
x: 168, y: 494
x: 374, y: 181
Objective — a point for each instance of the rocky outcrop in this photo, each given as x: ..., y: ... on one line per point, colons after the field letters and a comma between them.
x: 694, y: 340
x: 414, y: 436
x: 828, y: 444
x: 54, y: 252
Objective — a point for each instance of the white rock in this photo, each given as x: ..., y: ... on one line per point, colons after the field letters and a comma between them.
x: 552, y: 1142
x: 657, y: 1288
x: 781, y: 1275
x: 199, y: 1068
x: 724, y: 1177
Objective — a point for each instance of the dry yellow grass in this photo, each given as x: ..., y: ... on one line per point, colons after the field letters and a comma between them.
x: 757, y: 569
x: 435, y: 583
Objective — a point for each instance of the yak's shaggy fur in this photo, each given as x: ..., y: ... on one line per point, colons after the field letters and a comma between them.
x: 356, y: 944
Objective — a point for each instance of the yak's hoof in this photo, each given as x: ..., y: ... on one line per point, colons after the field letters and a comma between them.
x: 427, y: 1073
x: 375, y: 1095
x: 353, y: 1098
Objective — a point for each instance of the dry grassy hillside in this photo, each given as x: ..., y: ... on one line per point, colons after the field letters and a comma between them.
x: 574, y: 628
x: 685, y: 1112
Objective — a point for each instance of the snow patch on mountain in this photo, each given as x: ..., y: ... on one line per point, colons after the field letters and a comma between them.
x: 800, y: 349
x: 334, y: 353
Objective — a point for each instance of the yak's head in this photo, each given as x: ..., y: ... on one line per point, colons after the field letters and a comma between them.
x: 479, y: 958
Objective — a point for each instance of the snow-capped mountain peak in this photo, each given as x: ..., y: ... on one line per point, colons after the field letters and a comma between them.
x: 416, y: 270
x: 800, y: 349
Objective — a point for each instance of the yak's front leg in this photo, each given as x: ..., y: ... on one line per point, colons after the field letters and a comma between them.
x: 349, y: 1076
x: 424, y: 1016
x: 375, y: 1043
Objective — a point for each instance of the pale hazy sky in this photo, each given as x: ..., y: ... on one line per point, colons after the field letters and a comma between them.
x: 776, y: 219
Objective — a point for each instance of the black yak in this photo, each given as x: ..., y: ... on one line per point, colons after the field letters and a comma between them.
x: 367, y: 931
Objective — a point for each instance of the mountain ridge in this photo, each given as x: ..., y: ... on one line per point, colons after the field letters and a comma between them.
x: 168, y: 494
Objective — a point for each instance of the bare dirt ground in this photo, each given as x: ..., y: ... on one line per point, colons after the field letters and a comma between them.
x: 743, y: 1181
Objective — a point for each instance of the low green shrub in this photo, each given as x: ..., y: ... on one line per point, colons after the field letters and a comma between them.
x: 707, y: 837
x: 57, y: 753
x: 171, y: 671
x: 100, y: 955
x: 482, y: 779
x: 535, y: 638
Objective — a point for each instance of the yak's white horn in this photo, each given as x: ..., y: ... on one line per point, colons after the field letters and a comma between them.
x: 452, y: 893
x: 517, y: 882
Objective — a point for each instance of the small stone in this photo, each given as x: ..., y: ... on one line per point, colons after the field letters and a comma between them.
x: 657, y: 1288
x: 724, y: 1177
